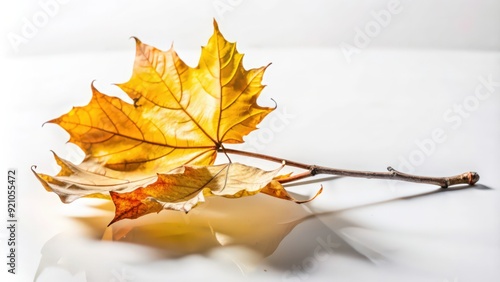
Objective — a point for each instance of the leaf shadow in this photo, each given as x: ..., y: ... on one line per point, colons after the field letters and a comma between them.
x: 260, y: 225
x: 218, y: 222
x: 252, y: 227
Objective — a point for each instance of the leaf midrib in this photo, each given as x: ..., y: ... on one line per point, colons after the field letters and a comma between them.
x: 182, y: 93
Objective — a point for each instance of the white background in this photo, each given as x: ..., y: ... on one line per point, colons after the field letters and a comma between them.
x: 363, y: 110
x: 86, y: 26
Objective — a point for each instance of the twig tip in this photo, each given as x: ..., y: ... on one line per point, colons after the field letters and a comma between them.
x: 473, y: 177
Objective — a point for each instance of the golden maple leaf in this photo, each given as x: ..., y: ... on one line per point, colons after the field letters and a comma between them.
x: 180, y: 116
x: 184, y: 187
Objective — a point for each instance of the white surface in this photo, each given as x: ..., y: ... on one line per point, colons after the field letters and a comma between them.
x: 358, y: 116
x: 364, y: 115
x: 96, y: 25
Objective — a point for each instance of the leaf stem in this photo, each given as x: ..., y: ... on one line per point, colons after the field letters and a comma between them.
x: 469, y: 178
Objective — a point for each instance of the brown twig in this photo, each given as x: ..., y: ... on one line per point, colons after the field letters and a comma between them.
x: 469, y: 178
